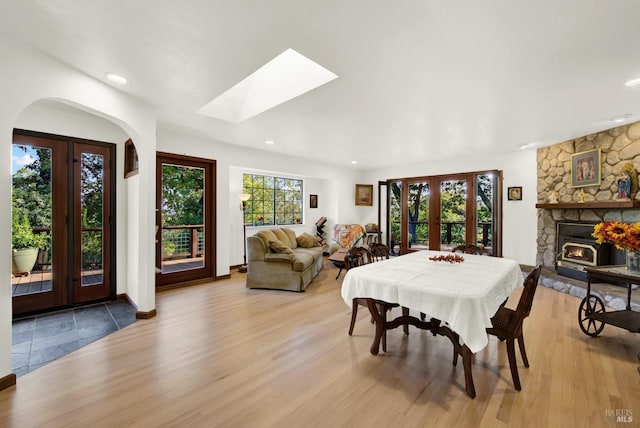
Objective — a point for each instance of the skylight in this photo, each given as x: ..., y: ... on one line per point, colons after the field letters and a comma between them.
x: 285, y: 77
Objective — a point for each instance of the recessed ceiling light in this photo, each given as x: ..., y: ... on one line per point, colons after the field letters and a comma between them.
x: 269, y: 142
x: 285, y: 77
x: 354, y: 162
x: 633, y: 82
x: 621, y: 118
x: 116, y: 78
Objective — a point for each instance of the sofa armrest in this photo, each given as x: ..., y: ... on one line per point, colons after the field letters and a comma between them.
x: 279, y: 257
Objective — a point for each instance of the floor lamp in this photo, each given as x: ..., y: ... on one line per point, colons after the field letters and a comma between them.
x: 244, y: 197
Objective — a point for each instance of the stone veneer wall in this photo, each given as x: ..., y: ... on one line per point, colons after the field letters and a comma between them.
x: 618, y: 146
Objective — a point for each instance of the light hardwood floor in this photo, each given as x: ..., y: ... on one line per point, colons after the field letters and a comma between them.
x: 221, y: 355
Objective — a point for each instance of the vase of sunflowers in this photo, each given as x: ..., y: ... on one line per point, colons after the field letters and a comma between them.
x: 623, y: 236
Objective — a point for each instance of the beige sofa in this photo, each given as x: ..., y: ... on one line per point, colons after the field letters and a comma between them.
x: 278, y: 259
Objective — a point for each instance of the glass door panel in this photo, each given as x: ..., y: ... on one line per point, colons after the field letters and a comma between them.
x: 418, y: 200
x: 92, y: 195
x: 92, y: 222
x: 183, y: 213
x: 453, y: 213
x: 394, y: 213
x: 485, y: 210
x: 32, y: 213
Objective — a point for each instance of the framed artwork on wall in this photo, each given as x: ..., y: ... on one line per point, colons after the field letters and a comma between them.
x: 585, y: 168
x: 514, y: 193
x: 313, y: 201
x: 364, y: 194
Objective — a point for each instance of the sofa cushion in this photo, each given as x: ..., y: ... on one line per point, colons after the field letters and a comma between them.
x: 307, y: 241
x: 278, y: 246
x: 282, y: 236
x: 302, y: 262
x: 293, y: 243
x: 279, y: 258
x: 266, y: 236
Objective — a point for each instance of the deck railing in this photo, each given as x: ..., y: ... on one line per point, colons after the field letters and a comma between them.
x: 188, y: 240
x: 449, y: 230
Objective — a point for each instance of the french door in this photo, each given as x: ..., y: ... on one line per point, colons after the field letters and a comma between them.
x: 63, y: 187
x: 440, y: 212
x: 185, y: 219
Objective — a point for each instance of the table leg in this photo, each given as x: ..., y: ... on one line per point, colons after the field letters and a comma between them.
x: 468, y: 375
x: 379, y: 323
x: 435, y: 327
x: 405, y: 327
x: 463, y: 351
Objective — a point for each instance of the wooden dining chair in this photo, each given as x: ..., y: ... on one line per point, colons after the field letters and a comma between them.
x: 471, y: 249
x: 359, y: 256
x: 379, y: 251
x: 506, y: 324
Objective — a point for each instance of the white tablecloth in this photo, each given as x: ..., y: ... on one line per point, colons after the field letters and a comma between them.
x: 465, y: 295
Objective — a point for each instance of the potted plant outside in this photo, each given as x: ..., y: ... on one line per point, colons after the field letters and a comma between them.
x: 24, y: 244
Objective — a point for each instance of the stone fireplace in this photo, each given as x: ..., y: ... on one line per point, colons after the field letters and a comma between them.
x: 568, y: 249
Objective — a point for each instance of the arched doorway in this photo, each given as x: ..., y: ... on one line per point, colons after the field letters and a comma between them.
x: 64, y: 192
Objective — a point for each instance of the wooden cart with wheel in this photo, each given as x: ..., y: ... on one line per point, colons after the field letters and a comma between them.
x: 592, y: 314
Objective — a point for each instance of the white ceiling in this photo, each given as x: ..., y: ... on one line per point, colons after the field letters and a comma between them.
x: 418, y: 79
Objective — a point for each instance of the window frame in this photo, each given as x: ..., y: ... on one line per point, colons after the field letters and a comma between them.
x: 284, y: 194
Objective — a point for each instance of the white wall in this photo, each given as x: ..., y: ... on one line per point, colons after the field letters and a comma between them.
x: 333, y: 185
x: 27, y: 76
x: 519, y: 220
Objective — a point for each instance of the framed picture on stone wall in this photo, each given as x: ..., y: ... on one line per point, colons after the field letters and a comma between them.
x: 585, y: 168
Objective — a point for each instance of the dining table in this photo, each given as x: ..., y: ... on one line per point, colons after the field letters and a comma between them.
x: 458, y: 297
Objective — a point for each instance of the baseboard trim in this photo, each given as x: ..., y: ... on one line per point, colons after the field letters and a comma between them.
x: 124, y: 297
x: 7, y: 381
x: 141, y: 315
x: 146, y: 315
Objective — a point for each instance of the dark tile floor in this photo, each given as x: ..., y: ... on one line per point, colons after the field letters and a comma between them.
x: 40, y: 339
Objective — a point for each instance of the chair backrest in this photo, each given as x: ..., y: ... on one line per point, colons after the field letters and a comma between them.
x: 379, y: 251
x: 526, y: 298
x: 471, y: 249
x: 357, y: 256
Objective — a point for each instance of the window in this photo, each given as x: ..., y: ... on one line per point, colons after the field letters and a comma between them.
x: 273, y: 200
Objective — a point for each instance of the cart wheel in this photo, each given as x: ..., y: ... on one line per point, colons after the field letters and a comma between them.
x: 588, y: 306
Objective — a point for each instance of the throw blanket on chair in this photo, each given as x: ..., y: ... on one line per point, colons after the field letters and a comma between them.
x: 348, y: 235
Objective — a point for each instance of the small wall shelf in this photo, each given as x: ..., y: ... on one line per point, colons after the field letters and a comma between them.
x: 606, y: 205
x: 130, y: 159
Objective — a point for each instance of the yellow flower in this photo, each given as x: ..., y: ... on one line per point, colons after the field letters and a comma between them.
x: 598, y: 233
x: 616, y: 231
x: 624, y: 236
